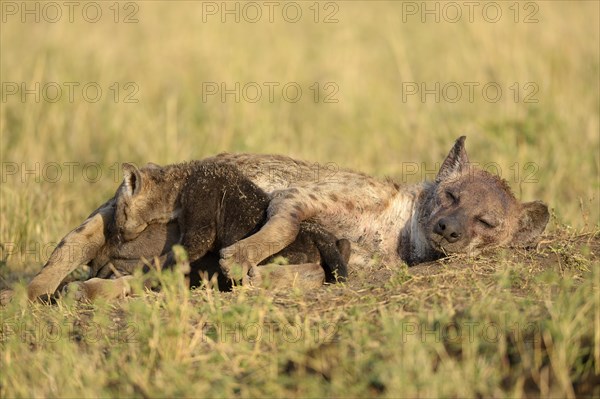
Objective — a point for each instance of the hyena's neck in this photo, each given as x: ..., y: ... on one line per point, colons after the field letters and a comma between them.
x: 396, y: 229
x: 413, y: 244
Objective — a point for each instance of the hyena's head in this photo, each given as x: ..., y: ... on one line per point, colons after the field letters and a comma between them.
x: 469, y: 209
x: 146, y: 196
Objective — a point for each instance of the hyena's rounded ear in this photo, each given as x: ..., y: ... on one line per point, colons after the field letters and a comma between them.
x: 132, y: 179
x: 456, y: 160
x: 533, y: 219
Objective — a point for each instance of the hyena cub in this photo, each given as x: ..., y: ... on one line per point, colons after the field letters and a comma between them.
x: 215, y: 206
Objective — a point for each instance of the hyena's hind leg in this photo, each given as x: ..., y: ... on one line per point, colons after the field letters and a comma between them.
x: 77, y: 248
x: 334, y: 253
x: 340, y: 260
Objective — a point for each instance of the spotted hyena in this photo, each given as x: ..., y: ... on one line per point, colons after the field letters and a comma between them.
x: 462, y: 211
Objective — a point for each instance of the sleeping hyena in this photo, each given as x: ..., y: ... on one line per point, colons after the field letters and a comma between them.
x: 463, y: 211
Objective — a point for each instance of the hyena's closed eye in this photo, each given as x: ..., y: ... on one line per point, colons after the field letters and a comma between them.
x: 488, y: 222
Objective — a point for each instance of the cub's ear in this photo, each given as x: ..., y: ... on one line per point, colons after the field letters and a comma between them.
x: 532, y: 222
x: 152, y: 165
x: 456, y: 160
x: 132, y: 179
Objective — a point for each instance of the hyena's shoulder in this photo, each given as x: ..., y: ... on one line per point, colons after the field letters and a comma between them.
x: 269, y: 171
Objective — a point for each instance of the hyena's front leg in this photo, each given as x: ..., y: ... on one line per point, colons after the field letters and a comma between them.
x: 285, y: 213
x: 75, y: 249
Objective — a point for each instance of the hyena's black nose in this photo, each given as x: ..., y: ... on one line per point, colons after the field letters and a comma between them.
x: 449, y: 229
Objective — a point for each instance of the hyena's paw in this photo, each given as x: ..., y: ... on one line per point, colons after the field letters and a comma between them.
x: 76, y: 290
x: 253, y: 278
x: 233, y: 265
x: 235, y: 271
x: 228, y: 267
x: 6, y: 296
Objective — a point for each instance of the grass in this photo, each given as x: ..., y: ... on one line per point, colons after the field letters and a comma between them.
x: 503, y: 325
x: 507, y: 324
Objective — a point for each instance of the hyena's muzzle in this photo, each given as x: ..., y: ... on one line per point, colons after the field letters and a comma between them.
x: 450, y: 232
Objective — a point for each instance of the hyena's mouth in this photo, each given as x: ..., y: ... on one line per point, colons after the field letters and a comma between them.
x: 439, y: 243
x: 469, y: 247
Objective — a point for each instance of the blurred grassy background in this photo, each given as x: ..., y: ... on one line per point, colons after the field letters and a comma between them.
x: 370, y: 54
